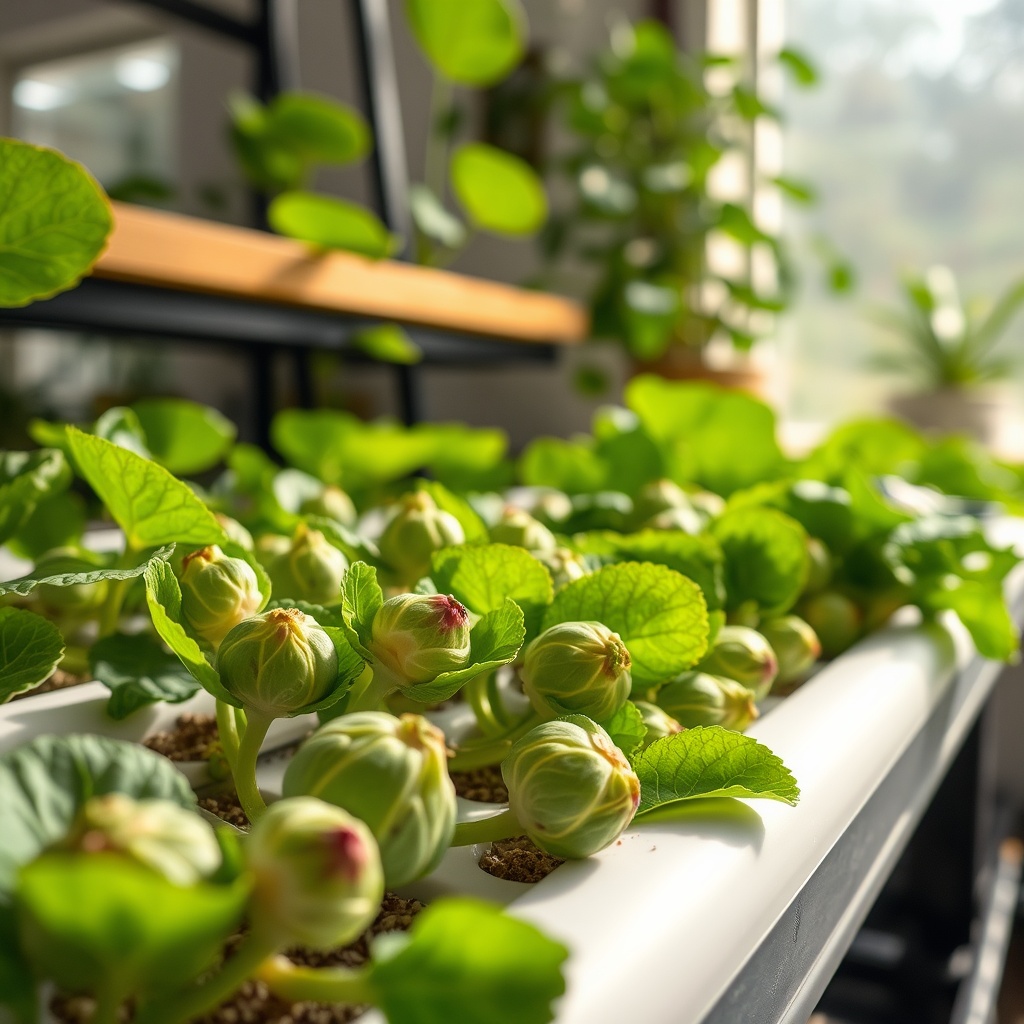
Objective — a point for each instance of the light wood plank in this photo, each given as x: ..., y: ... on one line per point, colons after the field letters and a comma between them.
x: 169, y: 250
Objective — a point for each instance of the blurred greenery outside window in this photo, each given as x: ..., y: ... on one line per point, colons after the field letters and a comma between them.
x: 914, y: 139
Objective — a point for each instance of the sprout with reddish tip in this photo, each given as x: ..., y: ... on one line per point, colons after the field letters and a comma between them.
x: 796, y: 646
x: 217, y: 593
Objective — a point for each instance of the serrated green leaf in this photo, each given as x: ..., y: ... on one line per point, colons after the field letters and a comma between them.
x: 661, y: 616
x: 53, y: 225
x: 710, y: 761
x: 138, y: 672
x: 26, y: 479
x: 25, y: 584
x: 361, y: 599
x: 626, y: 728
x: 482, y: 576
x: 500, y: 192
x: 184, y: 437
x: 494, y: 641
x: 510, y: 971
x: 163, y: 596
x: 31, y: 647
x: 150, y: 505
x: 766, y: 558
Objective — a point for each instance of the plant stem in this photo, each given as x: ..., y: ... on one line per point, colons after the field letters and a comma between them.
x: 491, y: 749
x: 478, y: 695
x: 110, y: 613
x: 244, y: 770
x: 487, y: 830
x: 368, y: 694
x: 201, y: 998
x: 316, y: 984
x: 228, y: 733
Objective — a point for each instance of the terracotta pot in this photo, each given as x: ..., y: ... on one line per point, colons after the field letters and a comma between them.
x: 680, y: 363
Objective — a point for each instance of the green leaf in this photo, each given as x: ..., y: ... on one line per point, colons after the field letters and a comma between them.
x: 328, y: 223
x: 510, y: 971
x: 31, y: 647
x: 121, y: 426
x: 801, y: 191
x: 44, y: 783
x: 710, y: 761
x: 981, y: 607
x: 138, y: 672
x: 388, y: 343
x: 25, y: 584
x: 56, y: 522
x: 494, y: 641
x: 500, y: 192
x: 874, y: 446
x: 661, y: 616
x: 163, y: 596
x: 17, y: 986
x: 184, y: 437
x: 54, y: 222
x: 146, y: 501
x: 351, y: 665
x: 472, y: 42
x: 570, y: 466
x: 799, y: 66
x: 317, y: 129
x: 433, y: 220
x: 626, y: 728
x: 482, y: 576
x: 467, y: 458
x: 26, y: 479
x: 353, y: 546
x: 472, y: 525
x: 766, y: 558
x: 361, y: 599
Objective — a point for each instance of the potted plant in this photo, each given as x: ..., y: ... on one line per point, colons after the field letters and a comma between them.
x: 950, y: 351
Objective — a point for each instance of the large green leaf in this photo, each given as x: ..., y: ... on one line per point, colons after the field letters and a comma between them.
x: 317, y: 129
x: 54, y: 222
x: 138, y: 671
x: 710, y: 761
x: 570, y: 466
x: 30, y: 649
x: 183, y: 436
x: 661, y: 616
x: 146, y: 501
x: 26, y: 479
x: 500, y: 192
x: 56, y: 522
x: 328, y: 223
x: 472, y: 42
x: 24, y: 585
x: 508, y: 971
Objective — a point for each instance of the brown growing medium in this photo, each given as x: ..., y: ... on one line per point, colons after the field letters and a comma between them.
x: 253, y: 1003
x: 483, y: 784
x: 189, y: 740
x: 518, y: 860
x: 60, y: 680
x: 225, y: 805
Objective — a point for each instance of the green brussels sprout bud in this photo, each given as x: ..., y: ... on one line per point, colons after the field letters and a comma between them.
x: 659, y: 496
x: 416, y: 530
x: 236, y: 532
x: 80, y: 599
x: 521, y: 530
x: 688, y: 520
x: 834, y: 618
x: 742, y: 654
x: 278, y: 662
x: 659, y: 723
x: 697, y: 698
x: 819, y: 566
x: 317, y: 875
x: 577, y: 668
x: 333, y: 503
x: 269, y: 546
x: 795, y: 644
x: 310, y: 570
x: 565, y: 565
x: 392, y: 774
x: 416, y: 637
x: 570, y: 788
x: 217, y: 593
x: 552, y: 507
x: 170, y: 840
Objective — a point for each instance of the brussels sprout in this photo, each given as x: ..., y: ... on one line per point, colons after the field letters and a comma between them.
x: 269, y: 546
x: 564, y: 564
x: 659, y: 496
x: 392, y: 774
x: 310, y: 570
x: 742, y: 654
x: 161, y: 835
x: 332, y: 503
x: 416, y: 530
x: 819, y: 566
x: 659, y: 723
x: 416, y: 637
x: 278, y: 662
x: 834, y: 618
x: 236, y: 532
x: 697, y: 698
x: 80, y: 599
x: 577, y: 668
x: 796, y: 646
x: 217, y: 593
x: 686, y: 519
x: 570, y: 788
x: 317, y: 875
x: 521, y: 530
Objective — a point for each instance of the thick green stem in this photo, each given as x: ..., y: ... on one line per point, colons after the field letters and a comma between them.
x: 208, y: 994
x: 228, y: 733
x: 316, y: 984
x: 110, y: 613
x: 478, y: 695
x: 487, y: 830
x: 244, y: 770
x: 368, y: 694
x: 490, y: 750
